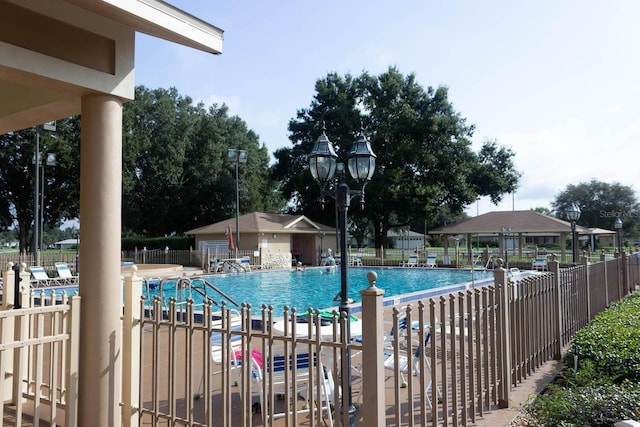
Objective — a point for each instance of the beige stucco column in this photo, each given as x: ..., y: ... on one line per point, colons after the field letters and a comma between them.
x: 100, y: 284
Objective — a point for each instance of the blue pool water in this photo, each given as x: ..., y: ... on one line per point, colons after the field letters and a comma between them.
x: 314, y: 288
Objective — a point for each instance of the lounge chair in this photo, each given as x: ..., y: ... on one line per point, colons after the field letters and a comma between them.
x: 306, y: 370
x: 355, y: 260
x: 540, y: 264
x: 225, y: 336
x: 40, y: 278
x: 404, y: 355
x: 431, y: 261
x: 245, y: 263
x: 412, y: 261
x: 64, y: 274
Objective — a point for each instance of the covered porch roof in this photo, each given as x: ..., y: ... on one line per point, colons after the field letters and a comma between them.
x: 53, y: 52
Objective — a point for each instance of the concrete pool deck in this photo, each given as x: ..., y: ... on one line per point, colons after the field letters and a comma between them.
x: 161, y: 271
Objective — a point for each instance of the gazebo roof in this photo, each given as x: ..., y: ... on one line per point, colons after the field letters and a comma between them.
x: 525, y: 222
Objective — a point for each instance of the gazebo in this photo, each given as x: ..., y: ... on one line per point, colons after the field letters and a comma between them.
x: 516, y: 225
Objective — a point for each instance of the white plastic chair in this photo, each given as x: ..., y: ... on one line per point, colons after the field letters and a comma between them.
x: 398, y: 357
x: 279, y: 375
x: 540, y: 264
x: 40, y: 278
x: 233, y: 344
x: 412, y: 261
x: 64, y: 273
x: 431, y: 261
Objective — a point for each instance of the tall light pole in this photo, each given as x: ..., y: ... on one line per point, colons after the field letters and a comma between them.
x: 618, y: 226
x: 76, y: 235
x: 403, y: 233
x: 323, y: 164
x: 321, y: 235
x: 36, y: 199
x: 237, y: 157
x: 505, y: 232
x: 49, y: 160
x: 37, y: 218
x: 573, y: 214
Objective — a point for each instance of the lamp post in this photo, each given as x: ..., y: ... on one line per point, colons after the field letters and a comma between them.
x: 573, y: 214
x: 323, y: 166
x: 457, y: 239
x: 49, y: 160
x: 36, y: 199
x: 37, y: 217
x: 237, y: 157
x: 321, y: 236
x: 618, y: 226
x: 505, y: 232
x: 76, y: 235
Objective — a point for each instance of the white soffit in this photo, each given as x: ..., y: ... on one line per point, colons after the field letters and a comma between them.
x: 159, y: 19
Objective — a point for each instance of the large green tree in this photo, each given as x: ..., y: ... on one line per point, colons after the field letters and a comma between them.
x: 17, y: 176
x: 600, y: 204
x: 175, y: 174
x: 423, y: 148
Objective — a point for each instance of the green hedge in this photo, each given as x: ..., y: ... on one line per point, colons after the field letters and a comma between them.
x: 611, y: 341
x: 604, y: 389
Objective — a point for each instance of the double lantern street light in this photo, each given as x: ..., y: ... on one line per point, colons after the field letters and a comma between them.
x: 573, y: 214
x: 323, y: 164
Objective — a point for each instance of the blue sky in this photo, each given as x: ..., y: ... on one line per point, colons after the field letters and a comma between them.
x: 557, y: 81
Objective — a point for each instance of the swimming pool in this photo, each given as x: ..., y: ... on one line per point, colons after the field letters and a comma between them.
x: 314, y: 288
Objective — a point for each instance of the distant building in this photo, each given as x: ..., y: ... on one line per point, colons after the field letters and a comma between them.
x: 67, y: 244
x: 269, y: 234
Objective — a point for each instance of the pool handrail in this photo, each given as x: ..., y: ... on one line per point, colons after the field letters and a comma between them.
x: 224, y: 295
x: 186, y: 282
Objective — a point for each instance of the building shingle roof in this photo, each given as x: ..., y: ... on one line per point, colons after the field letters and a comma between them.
x: 264, y: 222
x: 517, y: 221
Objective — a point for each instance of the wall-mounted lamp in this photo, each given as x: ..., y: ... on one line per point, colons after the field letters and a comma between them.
x: 275, y: 236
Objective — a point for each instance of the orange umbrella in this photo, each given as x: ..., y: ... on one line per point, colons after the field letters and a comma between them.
x: 232, y: 247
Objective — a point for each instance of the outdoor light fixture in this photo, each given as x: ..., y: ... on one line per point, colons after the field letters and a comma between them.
x: 323, y: 165
x: 618, y: 226
x: 573, y: 214
x: 237, y: 157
